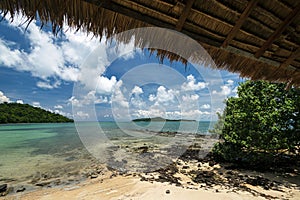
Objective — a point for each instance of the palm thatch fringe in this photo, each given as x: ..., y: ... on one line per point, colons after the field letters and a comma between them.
x: 209, y: 22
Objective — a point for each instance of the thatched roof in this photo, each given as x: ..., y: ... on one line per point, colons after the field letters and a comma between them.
x: 260, y: 39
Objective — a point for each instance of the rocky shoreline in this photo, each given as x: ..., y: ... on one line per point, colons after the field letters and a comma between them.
x: 190, y: 171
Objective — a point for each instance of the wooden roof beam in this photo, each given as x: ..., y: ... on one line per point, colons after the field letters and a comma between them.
x: 278, y: 31
x: 291, y: 58
x: 115, y: 7
x: 184, y: 15
x: 286, y: 63
x: 250, y: 6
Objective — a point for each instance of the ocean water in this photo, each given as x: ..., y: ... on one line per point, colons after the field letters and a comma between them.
x: 28, y: 151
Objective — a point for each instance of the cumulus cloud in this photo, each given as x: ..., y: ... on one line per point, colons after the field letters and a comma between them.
x: 205, y: 106
x: 82, y: 115
x: 189, y: 102
x: 156, y: 112
x: 106, y: 85
x: 48, y: 58
x: 118, y: 96
x: 163, y: 95
x: 91, y: 98
x: 153, y: 111
x: 137, y: 102
x: 190, y: 98
x: 194, y: 114
x: 45, y: 58
x: 126, y: 50
x: 3, y: 98
x: 20, y: 101
x: 137, y: 90
x: 230, y: 82
x: 48, y: 85
x: 36, y: 104
x: 192, y: 85
x: 56, y: 61
x: 58, y: 107
x: 226, y: 89
x: 8, y: 56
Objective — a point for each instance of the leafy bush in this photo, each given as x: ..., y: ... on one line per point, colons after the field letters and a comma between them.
x: 260, y: 124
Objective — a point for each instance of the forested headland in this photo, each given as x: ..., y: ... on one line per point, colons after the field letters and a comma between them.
x: 25, y: 113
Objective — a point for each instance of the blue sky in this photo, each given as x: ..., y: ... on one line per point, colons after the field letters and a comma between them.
x: 76, y: 69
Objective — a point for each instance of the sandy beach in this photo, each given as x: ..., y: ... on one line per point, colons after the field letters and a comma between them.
x: 181, y: 180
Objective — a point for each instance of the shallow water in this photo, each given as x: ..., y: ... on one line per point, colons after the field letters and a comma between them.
x: 52, y: 150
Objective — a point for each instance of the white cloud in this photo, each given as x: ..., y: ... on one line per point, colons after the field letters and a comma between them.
x: 47, y: 85
x: 78, y: 46
x: 194, y: 114
x: 226, y: 89
x: 3, y: 98
x: 48, y: 58
x: 205, y: 106
x: 137, y: 102
x: 118, y: 96
x: 82, y: 115
x: 189, y: 102
x: 88, y: 99
x: 152, y: 97
x: 58, y: 107
x: 45, y: 58
x: 9, y: 57
x: 20, y: 101
x: 151, y: 112
x: 192, y: 85
x: 58, y: 111
x: 156, y: 112
x: 163, y: 95
x: 230, y: 82
x: 106, y: 85
x: 127, y: 50
x: 190, y: 98
x: 36, y: 104
x: 137, y: 90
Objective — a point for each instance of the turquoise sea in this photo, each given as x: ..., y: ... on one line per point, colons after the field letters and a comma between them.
x: 29, y: 151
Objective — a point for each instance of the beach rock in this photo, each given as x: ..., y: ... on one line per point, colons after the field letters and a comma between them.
x: 21, y: 189
x: 178, y: 162
x: 211, y: 163
x: 229, y: 172
x: 168, y: 191
x: 3, y: 188
x: 42, y: 184
x: 257, y: 181
x: 143, y: 149
x: 185, y: 167
x: 94, y: 176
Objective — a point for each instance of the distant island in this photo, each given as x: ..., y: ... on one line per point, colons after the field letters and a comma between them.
x: 24, y: 113
x: 160, y: 119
